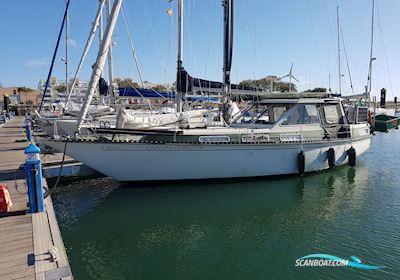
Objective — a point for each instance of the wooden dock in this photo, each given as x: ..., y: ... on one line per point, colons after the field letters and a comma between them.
x: 12, y: 145
x: 31, y: 246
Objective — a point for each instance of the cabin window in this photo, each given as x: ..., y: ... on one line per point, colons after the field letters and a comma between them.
x: 331, y: 114
x: 302, y: 114
x: 268, y: 114
x: 248, y: 117
x: 310, y: 115
x: 278, y: 111
x: 272, y: 114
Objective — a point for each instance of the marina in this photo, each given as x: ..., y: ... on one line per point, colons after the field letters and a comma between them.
x: 174, y: 147
x: 237, y: 229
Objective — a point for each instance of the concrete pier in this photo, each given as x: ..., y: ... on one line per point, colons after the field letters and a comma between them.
x: 31, y: 245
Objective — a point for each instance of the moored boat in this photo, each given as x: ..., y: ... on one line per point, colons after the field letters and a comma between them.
x: 300, y: 135
x: 277, y: 135
x: 384, y: 123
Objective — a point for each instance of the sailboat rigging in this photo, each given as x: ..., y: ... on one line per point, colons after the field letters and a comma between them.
x: 280, y: 134
x: 54, y: 56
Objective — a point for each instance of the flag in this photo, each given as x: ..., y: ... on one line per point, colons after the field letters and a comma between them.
x: 169, y: 12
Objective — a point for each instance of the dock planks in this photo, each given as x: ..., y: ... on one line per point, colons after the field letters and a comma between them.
x: 31, y: 245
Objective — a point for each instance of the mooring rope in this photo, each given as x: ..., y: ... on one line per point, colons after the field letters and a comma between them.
x: 61, y: 167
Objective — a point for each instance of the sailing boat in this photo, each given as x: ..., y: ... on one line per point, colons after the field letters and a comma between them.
x: 280, y: 134
x: 64, y: 123
x: 63, y: 114
x: 383, y: 119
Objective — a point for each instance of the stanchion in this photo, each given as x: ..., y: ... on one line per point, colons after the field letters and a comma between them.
x: 33, y: 170
x: 28, y: 127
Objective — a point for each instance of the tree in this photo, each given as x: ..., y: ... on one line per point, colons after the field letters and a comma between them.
x: 160, y: 88
x: 24, y: 89
x: 127, y: 82
x: 265, y: 84
x: 317, y: 89
x: 284, y: 87
x: 61, y: 88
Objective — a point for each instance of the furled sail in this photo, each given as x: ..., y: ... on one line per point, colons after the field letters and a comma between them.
x: 188, y: 84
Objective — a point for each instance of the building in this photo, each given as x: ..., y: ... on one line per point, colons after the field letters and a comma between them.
x: 53, y: 95
x: 20, y: 98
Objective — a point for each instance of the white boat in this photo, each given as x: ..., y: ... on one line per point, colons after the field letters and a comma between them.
x: 65, y: 125
x: 125, y: 161
x: 246, y: 149
x: 146, y: 120
x: 283, y: 134
x: 62, y: 120
x: 383, y: 111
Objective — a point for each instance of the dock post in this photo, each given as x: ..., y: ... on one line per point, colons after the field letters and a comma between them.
x: 28, y: 127
x: 33, y: 170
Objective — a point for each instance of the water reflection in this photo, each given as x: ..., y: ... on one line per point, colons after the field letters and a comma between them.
x: 75, y: 200
x: 321, y: 190
x: 351, y: 174
x: 330, y: 185
x: 189, y: 228
x: 239, y: 229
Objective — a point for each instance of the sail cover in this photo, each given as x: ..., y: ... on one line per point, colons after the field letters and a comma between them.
x: 188, y: 83
x: 228, y: 39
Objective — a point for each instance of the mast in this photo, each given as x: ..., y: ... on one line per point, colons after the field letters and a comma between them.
x: 92, y: 33
x: 66, y: 50
x: 100, y: 40
x: 371, y: 58
x: 179, y: 89
x: 329, y: 82
x: 100, y: 61
x: 228, y: 50
x: 100, y: 28
x: 54, y: 57
x: 110, y: 63
x: 338, y: 34
x: 228, y: 46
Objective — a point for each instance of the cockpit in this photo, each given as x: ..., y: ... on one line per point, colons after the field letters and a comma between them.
x: 327, y: 114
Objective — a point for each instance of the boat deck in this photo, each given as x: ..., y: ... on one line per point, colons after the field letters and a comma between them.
x: 31, y: 245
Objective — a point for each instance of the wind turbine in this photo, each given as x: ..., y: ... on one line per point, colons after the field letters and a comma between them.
x: 290, y: 75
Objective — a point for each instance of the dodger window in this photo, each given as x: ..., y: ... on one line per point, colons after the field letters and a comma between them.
x: 331, y: 114
x: 302, y: 114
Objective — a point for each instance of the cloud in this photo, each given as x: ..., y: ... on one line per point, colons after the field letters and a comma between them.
x: 35, y: 63
x: 73, y: 43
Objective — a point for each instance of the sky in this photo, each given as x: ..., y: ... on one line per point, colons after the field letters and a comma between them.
x: 268, y: 37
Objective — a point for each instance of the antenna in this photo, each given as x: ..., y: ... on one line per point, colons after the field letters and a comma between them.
x: 290, y: 75
x: 330, y: 89
x: 66, y: 49
x: 179, y: 94
x: 110, y: 54
x: 338, y: 34
x: 371, y: 58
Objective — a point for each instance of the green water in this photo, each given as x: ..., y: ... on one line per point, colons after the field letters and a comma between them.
x: 238, y: 229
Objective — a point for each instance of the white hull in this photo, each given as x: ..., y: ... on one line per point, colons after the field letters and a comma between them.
x: 180, y: 161
x: 62, y: 127
x: 383, y: 111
